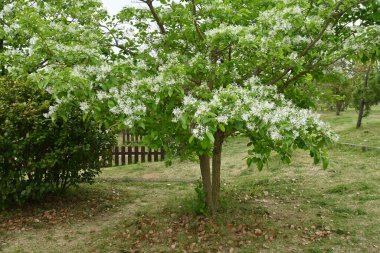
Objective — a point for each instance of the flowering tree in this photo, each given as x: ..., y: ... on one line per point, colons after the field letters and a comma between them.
x: 212, y: 69
x: 208, y: 70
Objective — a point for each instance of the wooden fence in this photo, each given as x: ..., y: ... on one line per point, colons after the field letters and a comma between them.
x: 131, y: 152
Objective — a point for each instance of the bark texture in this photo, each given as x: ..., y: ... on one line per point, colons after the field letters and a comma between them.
x: 206, y: 180
x: 211, y: 179
x: 216, y: 164
x: 361, y: 113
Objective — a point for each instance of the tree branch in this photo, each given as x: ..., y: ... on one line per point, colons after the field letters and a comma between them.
x: 116, y: 41
x: 333, y: 17
x: 194, y: 12
x: 155, y: 15
x: 307, y: 70
x: 41, y: 65
x: 2, y: 67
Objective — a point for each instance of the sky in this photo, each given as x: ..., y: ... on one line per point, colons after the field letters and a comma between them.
x: 114, y: 6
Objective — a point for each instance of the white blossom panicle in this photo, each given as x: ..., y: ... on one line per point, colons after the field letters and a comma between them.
x: 84, y: 106
x: 177, y: 114
x: 101, y: 95
x: 223, y: 119
x: 199, y: 131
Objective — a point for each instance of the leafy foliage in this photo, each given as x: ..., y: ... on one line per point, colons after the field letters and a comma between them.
x: 336, y: 86
x: 37, y: 155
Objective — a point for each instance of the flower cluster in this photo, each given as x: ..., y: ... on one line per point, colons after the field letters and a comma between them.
x: 127, y: 104
x: 260, y: 108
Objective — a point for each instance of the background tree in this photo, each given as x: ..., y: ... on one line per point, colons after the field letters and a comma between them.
x: 367, y: 92
x: 336, y: 86
x: 365, y: 55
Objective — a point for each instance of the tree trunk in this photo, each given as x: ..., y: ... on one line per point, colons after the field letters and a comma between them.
x: 206, y: 180
x: 2, y: 67
x: 361, y: 113
x: 338, y: 108
x: 362, y: 101
x: 216, y: 164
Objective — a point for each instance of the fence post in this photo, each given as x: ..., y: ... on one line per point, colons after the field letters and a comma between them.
x: 136, y: 153
x: 116, y: 153
x: 129, y: 155
x: 123, y: 155
x: 143, y: 154
x: 162, y: 154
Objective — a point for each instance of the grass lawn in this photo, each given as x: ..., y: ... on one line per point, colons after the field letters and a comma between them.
x: 151, y: 208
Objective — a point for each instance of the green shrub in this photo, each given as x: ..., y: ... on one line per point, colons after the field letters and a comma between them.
x: 39, y: 156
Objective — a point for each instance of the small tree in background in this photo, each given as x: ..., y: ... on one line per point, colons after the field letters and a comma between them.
x: 335, y: 84
x: 367, y: 92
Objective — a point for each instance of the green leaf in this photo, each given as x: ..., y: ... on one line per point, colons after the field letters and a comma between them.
x: 142, y: 125
x: 325, y: 162
x: 204, y: 144
x: 191, y: 139
x: 111, y: 103
x: 210, y: 136
x: 249, y: 162
x: 222, y: 128
x: 260, y: 165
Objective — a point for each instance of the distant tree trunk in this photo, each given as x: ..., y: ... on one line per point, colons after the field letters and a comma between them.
x: 362, y: 101
x: 338, y: 108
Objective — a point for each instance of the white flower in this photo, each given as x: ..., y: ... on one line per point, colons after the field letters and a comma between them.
x: 189, y: 100
x: 293, y: 56
x: 274, y: 134
x: 102, y: 95
x: 199, y: 131
x: 202, y: 110
x: 49, y: 90
x: 222, y: 119
x: 84, y: 106
x: 177, y: 114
